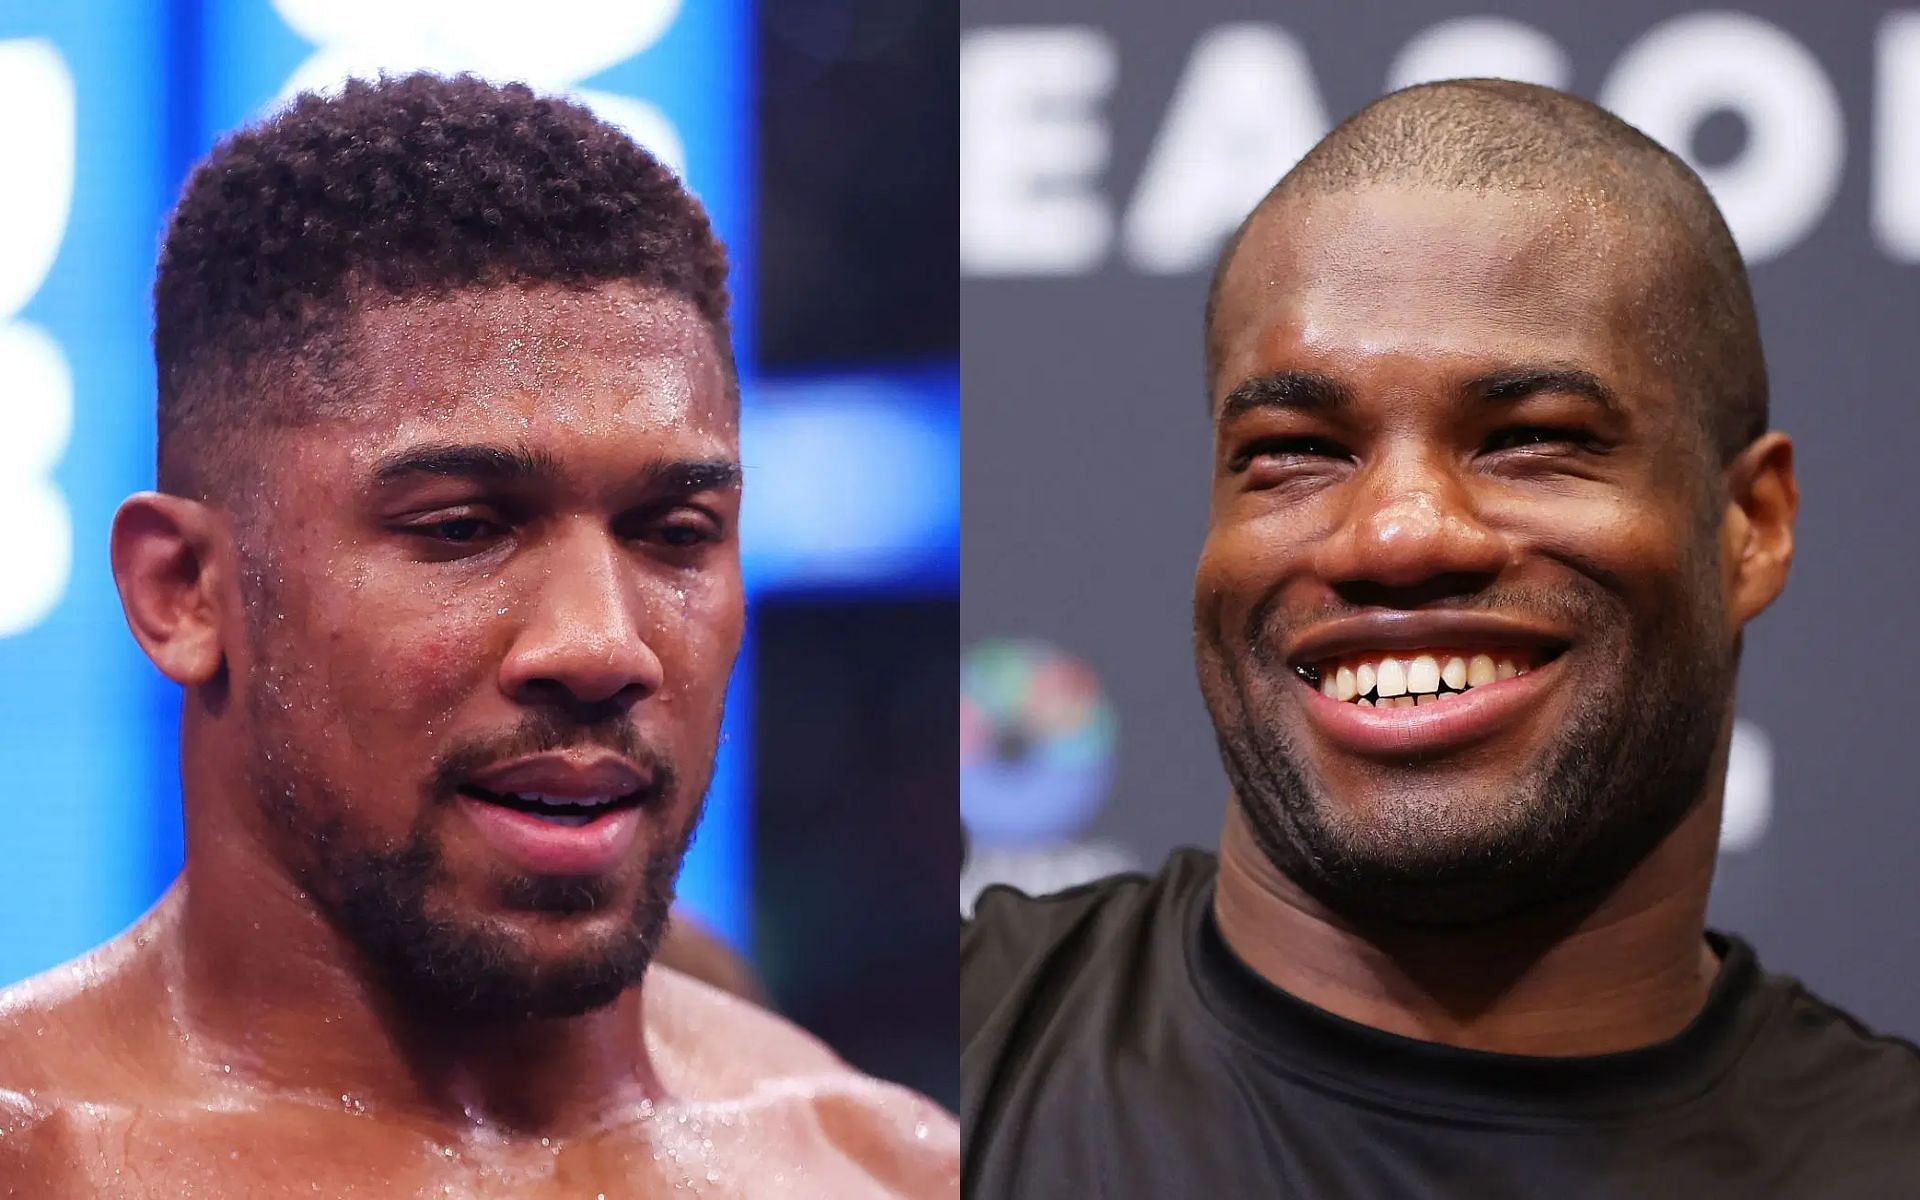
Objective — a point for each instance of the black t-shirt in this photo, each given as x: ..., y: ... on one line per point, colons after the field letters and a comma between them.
x: 1113, y: 1046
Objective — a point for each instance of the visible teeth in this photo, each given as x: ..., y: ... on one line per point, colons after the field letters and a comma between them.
x: 1425, y: 698
x: 1386, y: 680
x: 1364, y: 703
x: 573, y: 801
x: 1393, y: 677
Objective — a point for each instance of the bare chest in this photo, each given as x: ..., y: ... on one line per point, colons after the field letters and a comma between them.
x: 115, y: 1154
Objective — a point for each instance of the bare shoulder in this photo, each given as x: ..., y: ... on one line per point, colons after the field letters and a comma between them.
x: 733, y: 1056
x: 716, y: 1045
x: 52, y: 1024
x: 33, y: 1015
x: 36, y: 1146
x: 46, y: 1058
x: 76, y: 1042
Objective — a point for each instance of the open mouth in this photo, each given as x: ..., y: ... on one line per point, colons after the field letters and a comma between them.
x: 570, y: 811
x: 1416, y: 678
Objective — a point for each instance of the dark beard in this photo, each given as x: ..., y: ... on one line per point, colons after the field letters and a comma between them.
x: 381, y: 903
x: 381, y: 900
x: 1628, y: 767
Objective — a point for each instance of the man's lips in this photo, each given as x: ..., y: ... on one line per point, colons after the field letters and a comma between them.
x: 560, y: 814
x: 573, y: 776
x: 1440, y: 680
x: 541, y: 847
x: 1391, y: 630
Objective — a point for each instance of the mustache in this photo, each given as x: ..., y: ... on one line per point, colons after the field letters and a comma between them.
x: 546, y: 733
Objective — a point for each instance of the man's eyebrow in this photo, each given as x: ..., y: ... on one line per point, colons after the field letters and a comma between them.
x: 687, y: 476
x: 1514, y: 384
x: 520, y: 464
x: 493, y: 464
x: 1298, y: 391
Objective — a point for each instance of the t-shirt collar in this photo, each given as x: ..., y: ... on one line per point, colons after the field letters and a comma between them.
x: 1284, y: 1033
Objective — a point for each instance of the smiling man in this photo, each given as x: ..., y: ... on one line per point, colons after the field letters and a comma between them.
x: 1493, y: 500
x: 445, y: 558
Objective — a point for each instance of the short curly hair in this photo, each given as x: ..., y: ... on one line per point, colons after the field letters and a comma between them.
x: 408, y: 186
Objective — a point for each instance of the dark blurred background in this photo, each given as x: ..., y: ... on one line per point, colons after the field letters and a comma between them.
x: 856, y: 786
x: 860, y: 182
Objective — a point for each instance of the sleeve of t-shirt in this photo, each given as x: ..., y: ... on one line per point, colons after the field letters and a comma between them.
x: 1006, y: 946
x: 1007, y: 929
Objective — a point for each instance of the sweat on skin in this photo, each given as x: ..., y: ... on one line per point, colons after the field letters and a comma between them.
x: 517, y: 538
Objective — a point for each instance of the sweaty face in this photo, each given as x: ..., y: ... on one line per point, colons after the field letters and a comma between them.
x: 1460, y: 617
x: 492, y: 601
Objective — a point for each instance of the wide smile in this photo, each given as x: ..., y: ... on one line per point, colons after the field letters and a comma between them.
x: 1425, y: 701
x: 1401, y: 684
x: 1410, y: 679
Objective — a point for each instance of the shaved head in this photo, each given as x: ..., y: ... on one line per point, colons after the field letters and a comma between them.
x: 1694, y: 312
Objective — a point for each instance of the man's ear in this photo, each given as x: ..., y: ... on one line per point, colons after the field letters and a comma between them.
x: 1756, y: 538
x: 166, y: 565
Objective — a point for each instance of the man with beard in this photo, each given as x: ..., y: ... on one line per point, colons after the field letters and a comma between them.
x: 1493, y: 499
x: 444, y: 556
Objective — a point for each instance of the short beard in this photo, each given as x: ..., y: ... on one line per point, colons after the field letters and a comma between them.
x: 380, y: 901
x: 1617, y: 780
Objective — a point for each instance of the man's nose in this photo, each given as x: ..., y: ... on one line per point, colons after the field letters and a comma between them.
x: 585, y: 636
x: 1411, y: 521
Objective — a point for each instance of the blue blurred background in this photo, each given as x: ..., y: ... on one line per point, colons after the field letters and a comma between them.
x: 822, y: 137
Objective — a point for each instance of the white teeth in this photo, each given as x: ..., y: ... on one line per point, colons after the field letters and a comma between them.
x: 1364, y: 703
x: 1392, y: 680
x: 1385, y: 681
x: 573, y: 801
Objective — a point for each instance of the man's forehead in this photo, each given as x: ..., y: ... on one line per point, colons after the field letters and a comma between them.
x: 1428, y: 271
x: 534, y: 356
x: 530, y: 333
x: 601, y: 382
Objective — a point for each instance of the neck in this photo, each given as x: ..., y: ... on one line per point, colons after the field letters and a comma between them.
x: 263, y: 990
x: 1623, y: 971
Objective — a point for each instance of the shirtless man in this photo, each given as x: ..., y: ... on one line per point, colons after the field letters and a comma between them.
x: 444, y: 559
